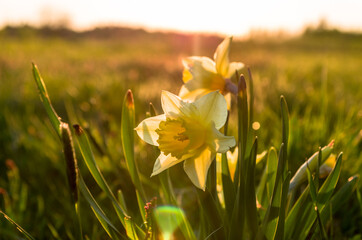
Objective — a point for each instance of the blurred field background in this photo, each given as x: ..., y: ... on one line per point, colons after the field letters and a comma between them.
x: 319, y: 73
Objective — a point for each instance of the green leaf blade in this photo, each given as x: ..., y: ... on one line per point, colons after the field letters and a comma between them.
x: 127, y: 135
x: 43, y: 93
x: 101, y: 216
x: 250, y: 195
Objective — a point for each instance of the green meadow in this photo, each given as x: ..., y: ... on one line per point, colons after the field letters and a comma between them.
x: 87, y: 75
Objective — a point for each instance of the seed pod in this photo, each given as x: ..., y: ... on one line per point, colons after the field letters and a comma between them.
x: 71, y: 161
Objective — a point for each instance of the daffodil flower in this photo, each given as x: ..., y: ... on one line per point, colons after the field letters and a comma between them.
x: 188, y: 132
x: 202, y: 75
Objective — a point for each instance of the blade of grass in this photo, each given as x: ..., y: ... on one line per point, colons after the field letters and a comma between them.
x: 313, y: 193
x: 330, y: 183
x: 250, y: 104
x: 167, y: 188
x: 121, y: 200
x: 101, y: 216
x: 273, y: 223
x: 301, y: 175
x: 251, y: 219
x: 130, y: 229
x: 319, y: 163
x: 359, y: 198
x: 18, y: 227
x: 299, y: 213
x: 266, y: 184
x: 242, y: 101
x: 312, y: 186
x: 227, y: 187
x: 211, y: 213
x: 141, y: 206
x: 296, y: 212
x: 238, y: 215
x: 285, y: 127
x: 340, y: 197
x: 89, y: 159
x: 227, y: 183
x: 282, y: 211
x: 127, y: 135
x: 269, y: 225
x: 322, y: 199
x: 211, y: 180
x: 321, y: 226
x: 62, y: 129
x: 152, y: 110
x: 53, y: 117
x: 251, y: 97
x: 186, y: 228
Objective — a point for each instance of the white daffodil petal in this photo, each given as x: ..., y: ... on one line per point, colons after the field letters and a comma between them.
x: 163, y: 162
x: 183, y: 91
x: 171, y: 103
x: 191, y: 96
x: 146, y: 130
x: 212, y: 108
x: 174, y: 106
x: 200, y: 72
x: 197, y: 62
x: 197, y: 168
x: 219, y: 142
x: 233, y: 67
x: 221, y: 57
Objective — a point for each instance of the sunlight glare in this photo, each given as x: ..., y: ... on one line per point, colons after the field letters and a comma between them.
x: 229, y: 17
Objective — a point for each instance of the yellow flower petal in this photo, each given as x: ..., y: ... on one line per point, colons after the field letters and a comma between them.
x: 186, y: 75
x: 191, y: 96
x: 200, y: 72
x: 199, y: 69
x: 219, y: 142
x: 233, y: 67
x: 197, y: 168
x: 195, y: 63
x: 327, y: 166
x: 163, y: 162
x: 174, y: 106
x: 212, y: 108
x: 202, y: 75
x: 232, y: 160
x: 171, y: 103
x: 221, y: 57
x: 228, y: 100
x: 186, y: 132
x: 146, y: 130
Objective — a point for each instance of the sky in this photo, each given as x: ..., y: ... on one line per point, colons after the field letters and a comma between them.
x: 229, y: 17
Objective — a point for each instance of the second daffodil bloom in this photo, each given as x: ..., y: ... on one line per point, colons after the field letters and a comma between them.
x: 202, y: 75
x: 188, y: 132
